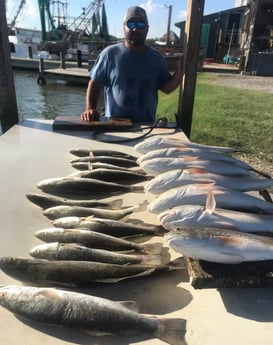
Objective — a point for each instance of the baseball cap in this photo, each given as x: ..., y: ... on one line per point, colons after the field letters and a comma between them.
x: 136, y: 12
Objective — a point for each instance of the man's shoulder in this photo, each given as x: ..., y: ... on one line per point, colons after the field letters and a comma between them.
x: 114, y: 47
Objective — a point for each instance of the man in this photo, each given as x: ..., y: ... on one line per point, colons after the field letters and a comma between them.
x: 131, y: 74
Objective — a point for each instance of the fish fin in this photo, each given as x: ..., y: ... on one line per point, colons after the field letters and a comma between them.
x: 197, y: 170
x: 172, y: 331
x: 116, y: 204
x: 91, y: 154
x: 142, y: 206
x: 210, y: 203
x: 131, y: 305
x: 177, y: 264
x: 204, y: 185
x: 151, y: 260
x: 89, y: 217
x: 50, y: 293
x: 190, y: 158
x: 139, y: 189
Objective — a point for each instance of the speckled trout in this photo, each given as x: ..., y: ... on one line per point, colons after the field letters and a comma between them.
x: 89, y: 313
x: 80, y: 152
x: 77, y: 273
x: 95, y: 239
x: 81, y: 185
x: 46, y: 201
x: 79, y: 252
x: 117, y: 228
x: 220, y: 245
x: 79, y: 211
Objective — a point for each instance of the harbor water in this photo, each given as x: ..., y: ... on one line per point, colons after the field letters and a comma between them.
x: 36, y: 101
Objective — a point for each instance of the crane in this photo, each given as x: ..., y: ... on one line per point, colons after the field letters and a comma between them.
x: 13, y: 22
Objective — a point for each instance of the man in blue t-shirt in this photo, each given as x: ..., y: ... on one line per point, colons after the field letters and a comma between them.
x: 131, y: 74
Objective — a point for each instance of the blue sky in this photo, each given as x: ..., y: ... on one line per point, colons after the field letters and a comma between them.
x: 157, y: 11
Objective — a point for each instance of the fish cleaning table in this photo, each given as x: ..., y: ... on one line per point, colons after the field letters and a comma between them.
x: 30, y: 152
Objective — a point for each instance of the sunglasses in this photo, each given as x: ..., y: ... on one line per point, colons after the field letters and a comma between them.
x: 136, y: 25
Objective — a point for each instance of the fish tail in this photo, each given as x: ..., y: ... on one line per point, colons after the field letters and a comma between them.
x: 139, y: 189
x: 151, y: 260
x: 142, y: 206
x: 172, y: 331
x: 116, y: 204
x: 153, y: 248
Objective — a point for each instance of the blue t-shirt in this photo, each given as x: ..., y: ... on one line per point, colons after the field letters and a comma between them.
x: 131, y: 81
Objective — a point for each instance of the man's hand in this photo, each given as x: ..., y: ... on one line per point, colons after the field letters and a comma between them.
x: 90, y: 115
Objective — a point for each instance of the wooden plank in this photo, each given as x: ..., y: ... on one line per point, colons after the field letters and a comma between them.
x: 71, y: 122
x: 206, y: 275
x: 191, y: 55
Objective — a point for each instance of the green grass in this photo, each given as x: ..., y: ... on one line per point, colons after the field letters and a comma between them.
x: 227, y: 116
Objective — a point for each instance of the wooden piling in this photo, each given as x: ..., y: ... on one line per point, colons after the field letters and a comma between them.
x: 191, y: 59
x: 8, y: 104
x: 41, y: 78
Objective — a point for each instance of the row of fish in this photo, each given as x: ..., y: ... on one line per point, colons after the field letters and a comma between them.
x: 200, y: 200
x: 91, y: 241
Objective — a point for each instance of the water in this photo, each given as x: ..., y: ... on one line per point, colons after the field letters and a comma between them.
x: 36, y: 101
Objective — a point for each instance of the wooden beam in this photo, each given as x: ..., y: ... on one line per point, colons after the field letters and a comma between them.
x: 8, y: 105
x: 193, y: 29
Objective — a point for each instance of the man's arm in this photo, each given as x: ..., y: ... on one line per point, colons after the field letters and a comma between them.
x: 172, y: 83
x: 92, y: 97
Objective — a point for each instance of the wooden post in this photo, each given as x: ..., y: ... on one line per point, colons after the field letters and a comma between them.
x: 62, y: 56
x: 169, y: 25
x: 41, y: 77
x: 8, y: 104
x: 79, y: 58
x: 191, y: 56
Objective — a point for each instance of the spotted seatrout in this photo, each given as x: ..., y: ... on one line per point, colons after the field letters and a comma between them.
x: 90, y: 313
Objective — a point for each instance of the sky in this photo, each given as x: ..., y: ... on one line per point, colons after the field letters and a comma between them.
x: 157, y: 11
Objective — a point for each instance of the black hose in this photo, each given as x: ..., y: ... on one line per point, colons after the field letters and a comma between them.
x: 149, y: 128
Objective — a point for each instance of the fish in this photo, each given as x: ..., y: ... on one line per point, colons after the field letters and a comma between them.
x: 46, y: 201
x: 196, y: 215
x: 165, y: 142
x: 116, y: 228
x: 197, y: 194
x: 76, y: 273
x: 220, y: 245
x: 191, y: 152
x: 79, y: 211
x: 79, y: 152
x: 88, y: 313
x: 157, y: 166
x: 81, y: 185
x: 95, y: 239
x: 114, y: 175
x: 119, y: 161
x: 84, y: 166
x: 178, y: 177
x: 79, y: 252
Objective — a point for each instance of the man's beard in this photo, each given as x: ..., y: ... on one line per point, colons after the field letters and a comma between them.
x: 136, y: 39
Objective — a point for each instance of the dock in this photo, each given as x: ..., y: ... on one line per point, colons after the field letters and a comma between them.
x: 214, y: 316
x: 72, y: 75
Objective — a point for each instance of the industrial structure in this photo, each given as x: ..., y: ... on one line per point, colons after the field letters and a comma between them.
x: 241, y: 35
